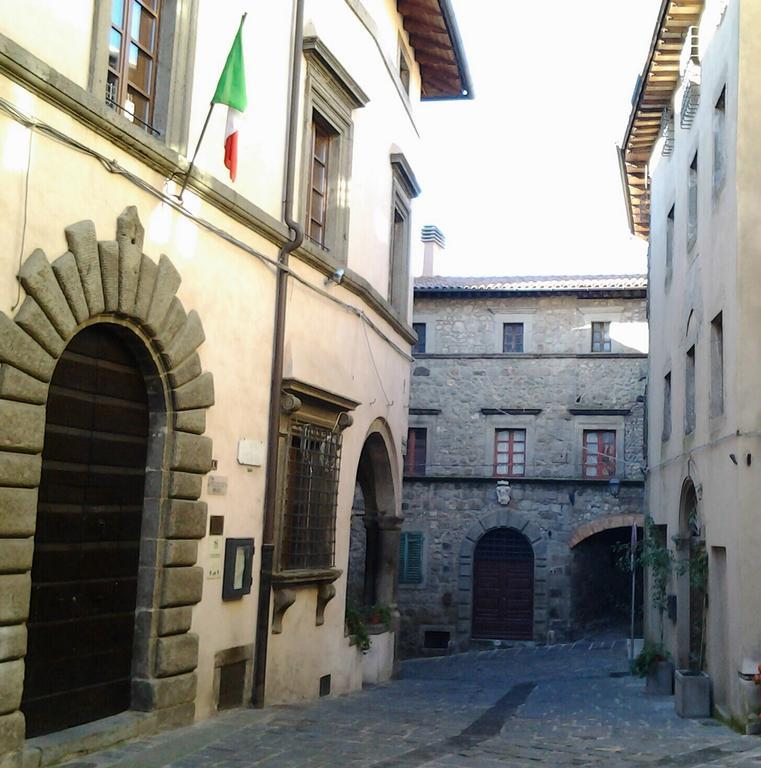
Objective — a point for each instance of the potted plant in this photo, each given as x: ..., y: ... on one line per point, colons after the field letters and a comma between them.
x: 654, y: 664
x: 692, y: 686
x: 379, y: 614
x: 653, y: 555
x: 355, y: 626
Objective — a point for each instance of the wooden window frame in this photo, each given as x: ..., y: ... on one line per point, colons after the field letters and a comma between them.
x: 601, y: 336
x: 319, y: 193
x: 121, y: 72
x: 420, y: 344
x: 511, y: 453
x: 412, y: 465
x: 603, y: 462
x: 331, y: 97
x: 513, y: 326
x: 175, y: 56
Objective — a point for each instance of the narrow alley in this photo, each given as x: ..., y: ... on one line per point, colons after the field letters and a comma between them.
x: 562, y: 705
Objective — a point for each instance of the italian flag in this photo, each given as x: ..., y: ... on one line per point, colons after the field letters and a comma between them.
x: 231, y: 90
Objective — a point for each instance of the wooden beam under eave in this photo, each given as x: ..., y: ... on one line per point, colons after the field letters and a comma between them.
x: 419, y: 26
x: 435, y: 59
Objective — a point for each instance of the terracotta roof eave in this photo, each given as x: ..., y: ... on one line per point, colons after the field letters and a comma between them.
x: 459, y: 52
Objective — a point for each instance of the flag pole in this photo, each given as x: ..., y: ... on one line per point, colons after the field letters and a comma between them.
x: 195, y: 154
x: 203, y: 131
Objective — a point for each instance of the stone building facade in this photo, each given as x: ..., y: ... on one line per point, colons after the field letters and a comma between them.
x: 509, y: 514
x: 180, y: 438
x: 692, y: 143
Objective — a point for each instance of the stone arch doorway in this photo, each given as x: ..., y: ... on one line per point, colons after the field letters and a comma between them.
x: 601, y: 585
x: 523, y: 524
x: 375, y: 528
x: 87, y: 538
x: 111, y: 283
x: 503, y: 586
x: 692, y: 581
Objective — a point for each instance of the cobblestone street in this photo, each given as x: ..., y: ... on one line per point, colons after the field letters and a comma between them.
x: 554, y: 706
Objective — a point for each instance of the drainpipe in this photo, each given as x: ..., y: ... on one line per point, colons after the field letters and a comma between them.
x: 278, y: 344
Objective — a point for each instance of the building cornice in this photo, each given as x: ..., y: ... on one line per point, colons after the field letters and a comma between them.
x: 653, y: 94
x: 22, y: 67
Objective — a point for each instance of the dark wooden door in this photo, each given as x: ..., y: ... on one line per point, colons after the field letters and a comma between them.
x: 503, y: 586
x: 84, y: 575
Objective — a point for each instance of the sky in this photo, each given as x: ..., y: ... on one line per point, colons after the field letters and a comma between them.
x: 524, y: 178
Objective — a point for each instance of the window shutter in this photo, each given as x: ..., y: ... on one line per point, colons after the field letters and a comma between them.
x: 411, y: 558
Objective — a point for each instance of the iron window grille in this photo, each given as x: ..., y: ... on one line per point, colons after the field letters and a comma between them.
x: 309, y: 518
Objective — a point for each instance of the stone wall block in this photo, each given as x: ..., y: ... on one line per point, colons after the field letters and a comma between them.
x: 67, y: 273
x: 22, y: 426
x: 129, y: 237
x: 190, y: 453
x: 175, y: 318
x: 181, y: 586
x: 108, y: 252
x: 18, y: 509
x: 16, y: 555
x: 190, y: 421
x: 35, y: 322
x: 12, y: 641
x: 186, y: 371
x: 11, y: 685
x: 176, y: 654
x: 20, y: 350
x: 15, y: 590
x: 20, y: 470
x: 185, y: 485
x: 185, y: 519
x: 164, y: 692
x: 186, y: 340
x: 39, y: 281
x: 198, y: 393
x: 179, y: 552
x: 83, y: 243
x: 145, y: 287
x: 175, y: 717
x: 17, y: 385
x: 167, y: 282
x: 174, y: 621
x: 11, y: 733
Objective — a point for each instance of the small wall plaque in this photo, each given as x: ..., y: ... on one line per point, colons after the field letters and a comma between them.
x: 216, y: 485
x: 214, y: 567
x: 250, y: 452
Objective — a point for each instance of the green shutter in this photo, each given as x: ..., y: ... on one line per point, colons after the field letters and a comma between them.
x: 411, y: 558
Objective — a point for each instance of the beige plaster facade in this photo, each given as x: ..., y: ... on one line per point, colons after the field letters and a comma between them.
x: 704, y: 416
x: 93, y: 235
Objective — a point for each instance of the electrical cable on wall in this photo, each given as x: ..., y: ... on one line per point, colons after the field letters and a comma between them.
x: 26, y: 212
x: 112, y: 166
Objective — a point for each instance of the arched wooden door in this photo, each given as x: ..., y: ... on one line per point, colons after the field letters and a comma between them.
x: 503, y: 586
x: 84, y: 575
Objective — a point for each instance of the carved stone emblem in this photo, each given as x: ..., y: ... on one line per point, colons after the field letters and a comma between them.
x: 503, y: 492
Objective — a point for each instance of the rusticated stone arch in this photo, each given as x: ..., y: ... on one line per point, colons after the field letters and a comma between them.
x: 502, y: 518
x: 109, y: 281
x: 605, y: 524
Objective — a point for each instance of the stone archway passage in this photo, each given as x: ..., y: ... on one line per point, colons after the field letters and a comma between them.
x: 113, y: 282
x: 503, y: 586
x: 87, y: 543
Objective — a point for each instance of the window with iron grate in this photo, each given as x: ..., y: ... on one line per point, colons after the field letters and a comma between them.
x: 411, y: 558
x: 309, y: 517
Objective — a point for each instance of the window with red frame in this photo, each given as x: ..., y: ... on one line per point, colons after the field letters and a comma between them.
x: 599, y: 453
x: 510, y: 452
x: 414, y: 461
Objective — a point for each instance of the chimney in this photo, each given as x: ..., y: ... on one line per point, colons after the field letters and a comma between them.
x: 434, y: 241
